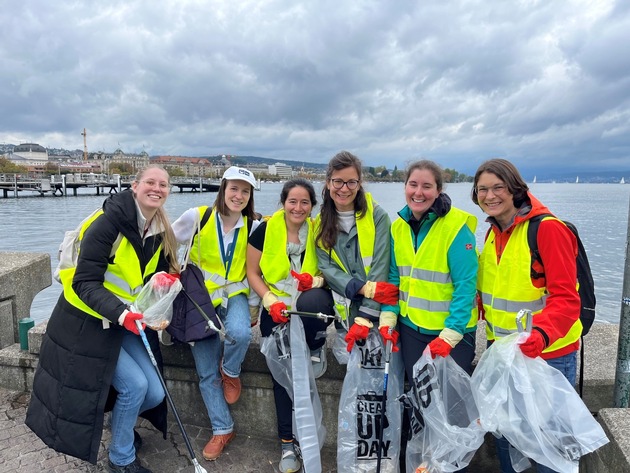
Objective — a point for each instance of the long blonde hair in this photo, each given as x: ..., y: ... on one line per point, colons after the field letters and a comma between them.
x: 169, y: 243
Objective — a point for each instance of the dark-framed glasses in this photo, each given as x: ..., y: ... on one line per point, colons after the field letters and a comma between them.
x: 352, y: 184
x: 499, y: 189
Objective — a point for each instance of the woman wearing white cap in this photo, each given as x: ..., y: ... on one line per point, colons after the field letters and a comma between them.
x: 220, y: 252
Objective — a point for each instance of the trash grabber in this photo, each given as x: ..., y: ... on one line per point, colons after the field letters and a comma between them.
x: 388, y: 354
x: 208, y: 320
x: 198, y: 467
x: 527, y: 315
x: 317, y: 315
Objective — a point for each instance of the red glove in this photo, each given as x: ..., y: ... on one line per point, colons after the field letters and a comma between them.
x: 164, y: 279
x: 393, y: 337
x: 130, y: 322
x: 305, y: 280
x: 356, y: 332
x: 439, y: 347
x: 276, y: 312
x: 382, y: 292
x: 534, y: 345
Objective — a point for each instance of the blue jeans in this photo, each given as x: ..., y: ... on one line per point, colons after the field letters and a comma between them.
x: 567, y: 365
x: 139, y: 389
x: 207, y: 355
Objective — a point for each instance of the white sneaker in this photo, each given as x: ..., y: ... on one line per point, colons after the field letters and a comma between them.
x: 290, y: 461
x: 318, y: 360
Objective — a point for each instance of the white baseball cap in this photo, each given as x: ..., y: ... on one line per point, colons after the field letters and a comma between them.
x: 234, y: 172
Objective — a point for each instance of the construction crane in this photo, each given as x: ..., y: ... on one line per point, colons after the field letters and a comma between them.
x: 85, y: 156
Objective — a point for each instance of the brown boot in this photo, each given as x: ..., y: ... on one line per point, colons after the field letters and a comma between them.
x: 215, y: 446
x: 231, y: 388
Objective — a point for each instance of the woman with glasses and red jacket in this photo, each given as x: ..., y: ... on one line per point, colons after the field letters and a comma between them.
x: 505, y: 281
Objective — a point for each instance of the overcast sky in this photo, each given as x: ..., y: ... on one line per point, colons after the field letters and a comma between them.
x: 543, y: 83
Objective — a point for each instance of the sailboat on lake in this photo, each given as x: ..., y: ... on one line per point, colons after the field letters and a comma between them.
x: 534, y: 181
x: 623, y: 181
x: 577, y: 180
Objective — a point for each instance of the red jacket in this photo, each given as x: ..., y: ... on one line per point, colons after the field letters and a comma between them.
x: 558, y: 250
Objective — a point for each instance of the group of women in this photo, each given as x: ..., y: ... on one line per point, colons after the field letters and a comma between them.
x: 419, y: 278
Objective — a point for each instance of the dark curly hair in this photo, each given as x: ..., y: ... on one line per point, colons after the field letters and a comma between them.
x: 298, y: 182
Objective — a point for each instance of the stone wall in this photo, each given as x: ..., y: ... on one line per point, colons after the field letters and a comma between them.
x: 22, y: 277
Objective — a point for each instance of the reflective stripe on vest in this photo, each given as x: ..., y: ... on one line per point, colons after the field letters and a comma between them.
x: 205, y: 251
x: 366, y: 234
x: 426, y: 287
x: 506, y: 287
x: 122, y: 277
x: 274, y: 262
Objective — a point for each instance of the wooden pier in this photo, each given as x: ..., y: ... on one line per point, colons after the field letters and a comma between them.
x: 66, y: 187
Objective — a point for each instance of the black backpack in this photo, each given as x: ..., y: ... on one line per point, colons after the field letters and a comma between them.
x: 584, y: 275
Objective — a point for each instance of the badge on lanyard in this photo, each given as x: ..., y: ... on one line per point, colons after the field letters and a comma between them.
x: 225, y: 297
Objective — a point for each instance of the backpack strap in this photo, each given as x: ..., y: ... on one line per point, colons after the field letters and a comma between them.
x: 532, y: 242
x: 200, y: 225
x: 204, y: 218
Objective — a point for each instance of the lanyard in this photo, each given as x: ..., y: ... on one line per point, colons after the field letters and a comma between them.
x: 227, y: 258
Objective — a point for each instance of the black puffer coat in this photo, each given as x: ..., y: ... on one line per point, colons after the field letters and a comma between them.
x: 78, y: 356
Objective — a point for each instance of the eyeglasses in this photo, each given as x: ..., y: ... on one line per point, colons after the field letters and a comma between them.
x: 499, y: 189
x: 352, y: 184
x: 151, y: 183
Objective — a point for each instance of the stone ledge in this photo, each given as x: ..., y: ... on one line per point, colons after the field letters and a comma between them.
x: 615, y: 455
x: 17, y: 368
x: 22, y: 277
x: 254, y: 414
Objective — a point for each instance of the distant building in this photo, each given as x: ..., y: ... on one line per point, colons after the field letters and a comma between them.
x: 137, y: 161
x: 29, y: 154
x: 281, y: 170
x: 258, y: 169
x: 191, y: 167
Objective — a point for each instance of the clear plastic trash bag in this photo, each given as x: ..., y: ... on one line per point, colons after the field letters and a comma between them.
x: 534, y: 407
x: 289, y: 361
x: 339, y: 349
x: 360, y: 408
x: 444, y: 420
x: 155, y: 300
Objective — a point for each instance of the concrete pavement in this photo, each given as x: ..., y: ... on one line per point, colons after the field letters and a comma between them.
x: 21, y: 451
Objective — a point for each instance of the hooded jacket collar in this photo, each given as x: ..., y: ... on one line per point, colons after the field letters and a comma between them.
x: 120, y: 209
x: 441, y: 206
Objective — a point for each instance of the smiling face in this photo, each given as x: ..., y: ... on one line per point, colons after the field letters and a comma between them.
x: 297, y: 206
x: 237, y: 194
x: 151, y: 190
x: 495, y: 198
x: 344, y: 197
x: 421, y: 190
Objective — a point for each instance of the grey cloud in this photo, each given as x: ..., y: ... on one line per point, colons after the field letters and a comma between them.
x: 542, y: 83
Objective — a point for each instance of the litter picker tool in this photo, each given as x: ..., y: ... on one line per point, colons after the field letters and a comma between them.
x: 210, y: 323
x: 316, y: 315
x: 527, y: 315
x: 198, y: 467
x: 388, y: 354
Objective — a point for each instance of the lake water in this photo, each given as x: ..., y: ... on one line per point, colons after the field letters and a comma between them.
x: 600, y: 211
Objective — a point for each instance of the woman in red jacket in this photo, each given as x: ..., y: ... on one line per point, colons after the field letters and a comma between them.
x: 505, y: 281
